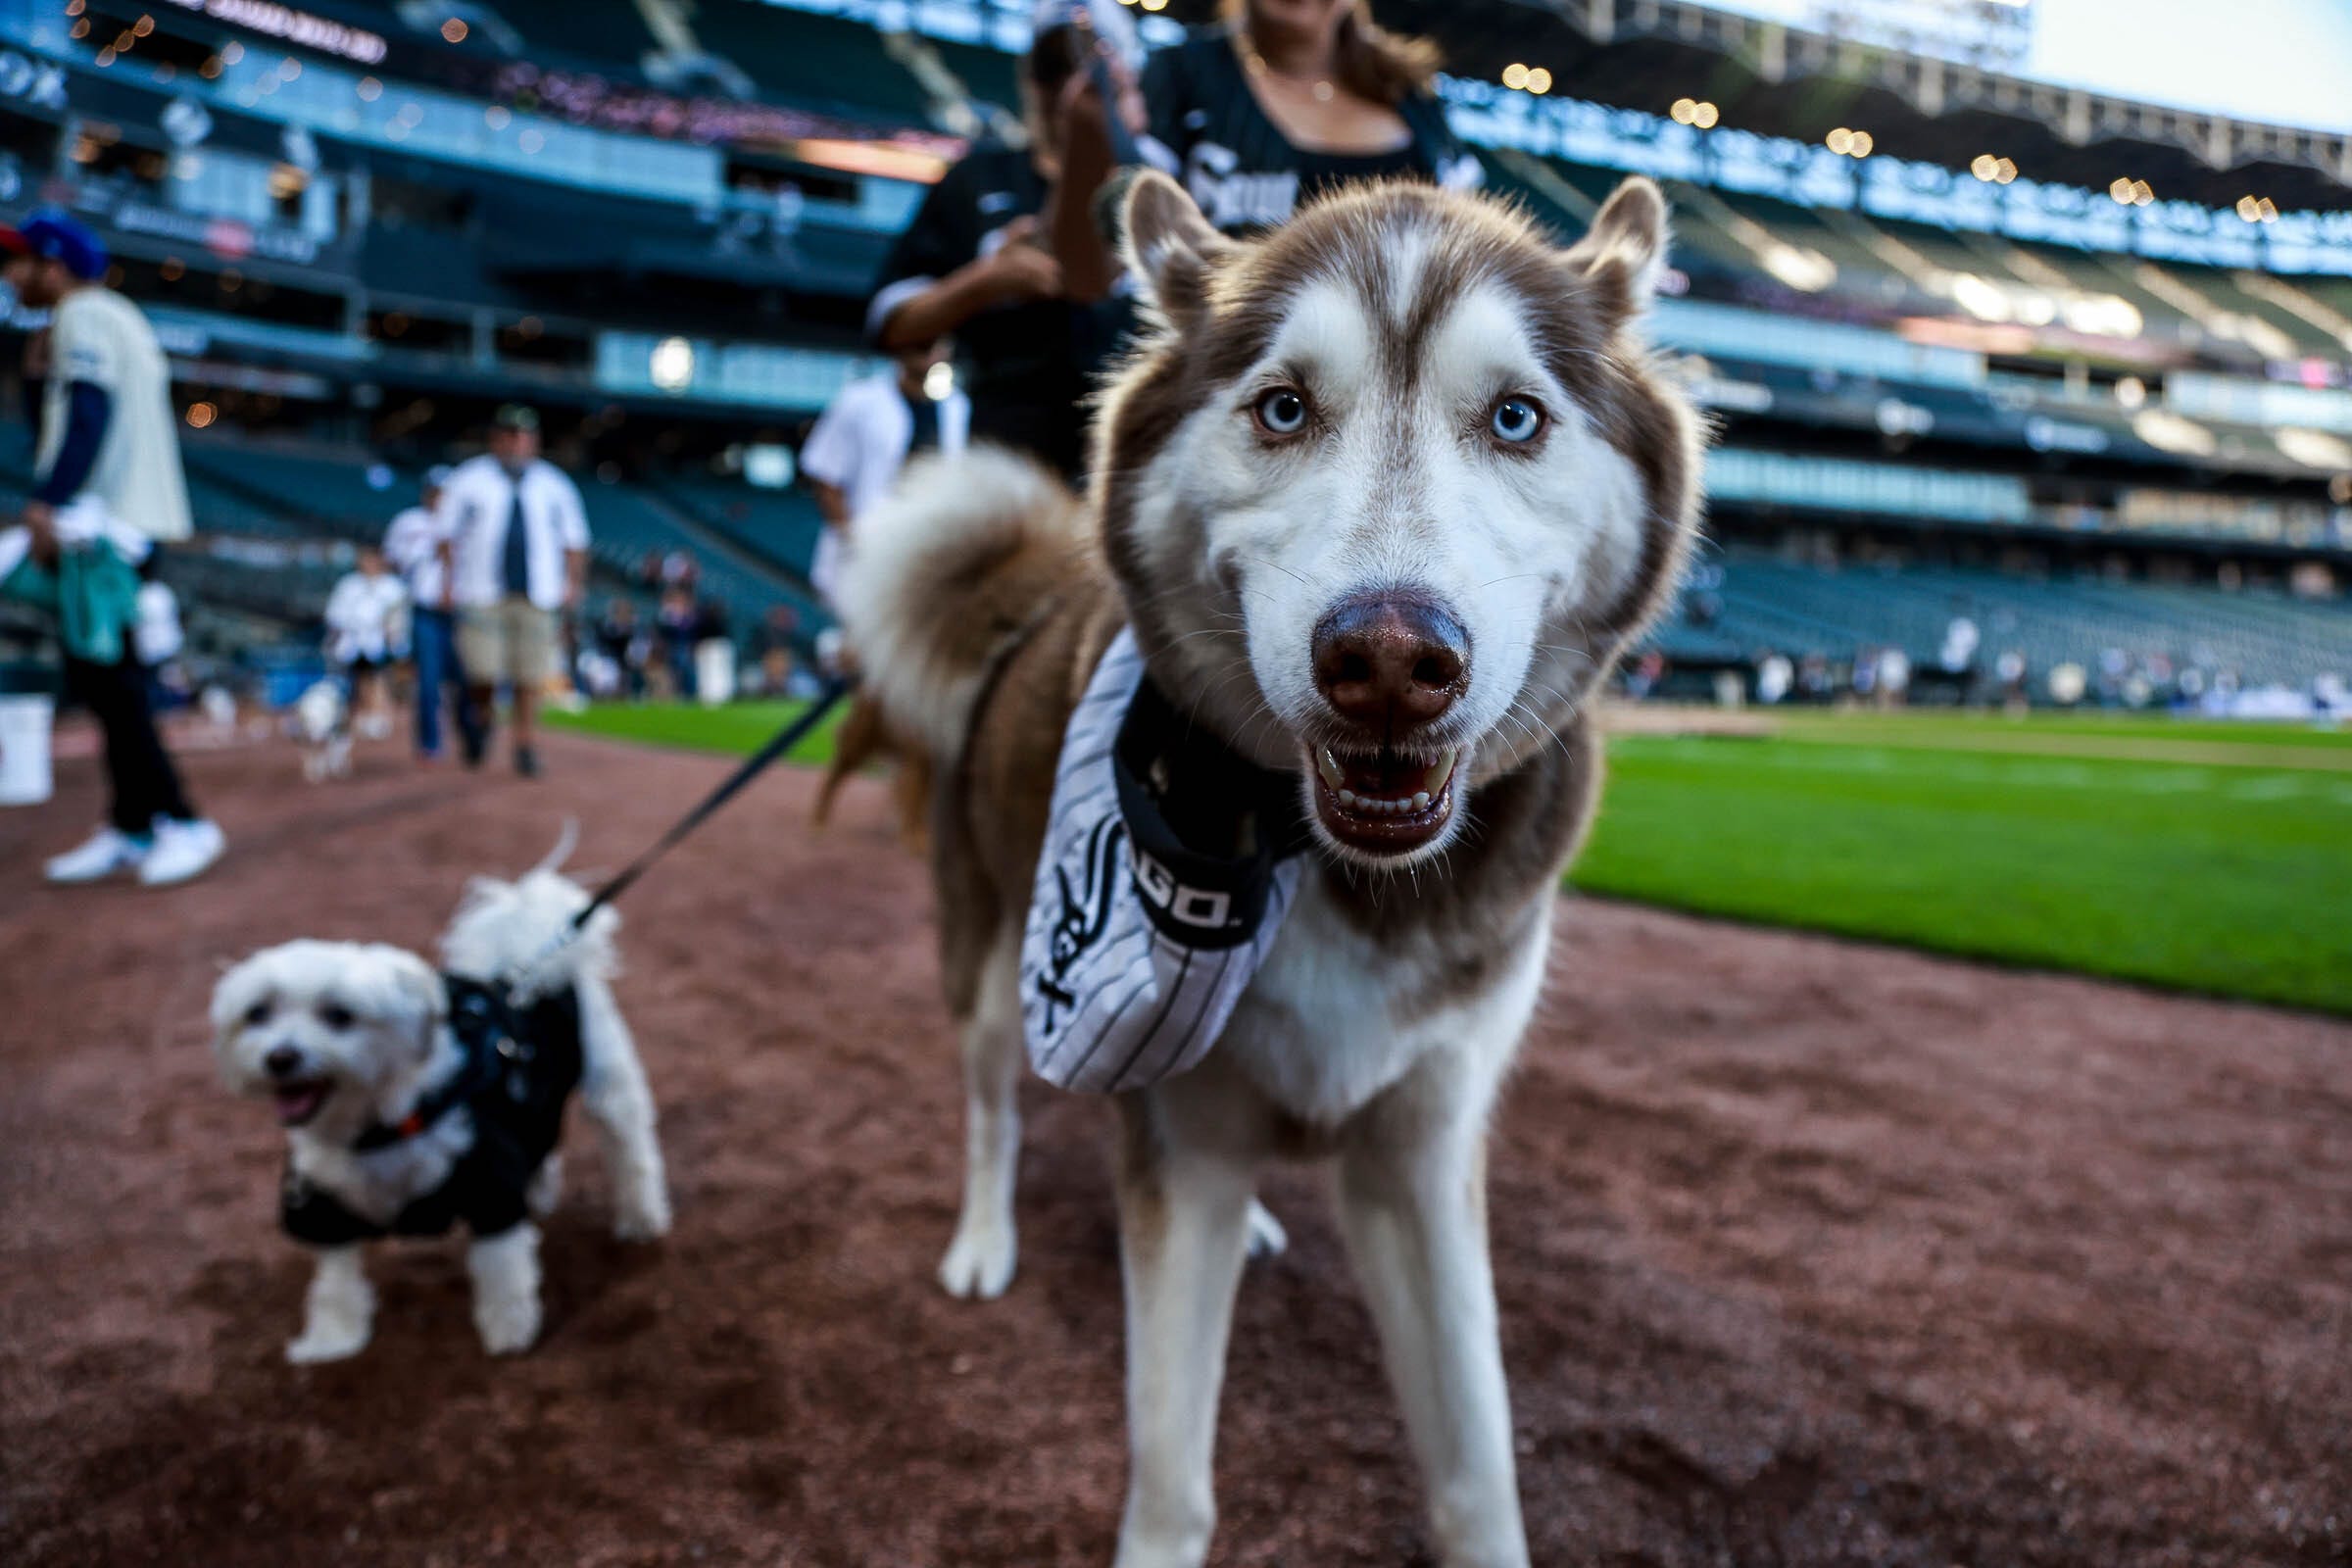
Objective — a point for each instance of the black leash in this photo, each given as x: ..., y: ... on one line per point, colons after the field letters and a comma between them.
x: 834, y: 690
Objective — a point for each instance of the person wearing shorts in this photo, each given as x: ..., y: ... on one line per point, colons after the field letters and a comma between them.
x: 513, y: 537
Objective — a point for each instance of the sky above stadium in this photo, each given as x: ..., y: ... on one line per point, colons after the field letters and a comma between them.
x: 2280, y: 62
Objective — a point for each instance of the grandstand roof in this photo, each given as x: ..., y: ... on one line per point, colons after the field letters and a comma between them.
x: 1785, y: 82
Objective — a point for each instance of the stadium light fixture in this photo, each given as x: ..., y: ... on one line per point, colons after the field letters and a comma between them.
x: 1539, y: 80
x: 671, y: 366
x: 2269, y: 208
x: 1682, y: 112
x: 2132, y: 392
x: 2249, y: 209
x: 1154, y: 4
x: 1705, y: 115
x: 2120, y: 190
x: 2006, y: 172
x: 77, y: 9
x: 1985, y: 167
x: 454, y: 29
x: 201, y: 414
x: 1514, y: 75
x: 2142, y: 193
x: 143, y: 27
x: 1839, y: 141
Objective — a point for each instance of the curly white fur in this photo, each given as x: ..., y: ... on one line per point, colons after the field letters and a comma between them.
x: 346, y: 1033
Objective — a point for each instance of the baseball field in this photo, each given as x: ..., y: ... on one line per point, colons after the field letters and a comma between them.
x: 2202, y: 857
x: 1809, y: 1250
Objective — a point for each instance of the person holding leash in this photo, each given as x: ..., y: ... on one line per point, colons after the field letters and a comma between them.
x: 108, y: 488
x: 513, y: 541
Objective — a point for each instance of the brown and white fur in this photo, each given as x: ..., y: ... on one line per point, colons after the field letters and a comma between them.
x: 1235, y: 534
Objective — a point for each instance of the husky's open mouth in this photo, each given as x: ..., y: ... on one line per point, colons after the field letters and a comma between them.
x: 299, y: 1102
x: 1384, y: 803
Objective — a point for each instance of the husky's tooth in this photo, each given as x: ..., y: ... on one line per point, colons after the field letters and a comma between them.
x: 1347, y: 799
x: 1329, y: 766
x: 1437, y: 782
x: 1421, y: 800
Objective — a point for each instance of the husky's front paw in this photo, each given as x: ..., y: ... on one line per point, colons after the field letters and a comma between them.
x: 979, y: 1262
x: 1267, y: 1237
x: 319, y: 1344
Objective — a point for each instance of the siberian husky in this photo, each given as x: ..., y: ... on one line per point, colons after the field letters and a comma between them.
x: 1382, y: 497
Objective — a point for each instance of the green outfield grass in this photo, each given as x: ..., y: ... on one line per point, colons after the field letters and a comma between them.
x: 2227, y: 872
x: 737, y: 729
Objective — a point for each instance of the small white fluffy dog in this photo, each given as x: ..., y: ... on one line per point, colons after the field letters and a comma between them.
x: 415, y: 1100
x: 323, y: 725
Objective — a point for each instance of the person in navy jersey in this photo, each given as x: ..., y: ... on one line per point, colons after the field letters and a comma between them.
x: 1284, y: 99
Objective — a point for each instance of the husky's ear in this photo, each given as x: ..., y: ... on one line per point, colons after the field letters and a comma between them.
x: 1170, y: 247
x: 1623, y: 253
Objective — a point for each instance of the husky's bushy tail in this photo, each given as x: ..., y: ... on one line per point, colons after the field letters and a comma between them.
x: 943, y: 573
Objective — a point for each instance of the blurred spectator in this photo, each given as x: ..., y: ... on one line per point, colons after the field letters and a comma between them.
x: 772, y: 648
x: 1959, y: 652
x: 1643, y: 679
x: 620, y: 638
x: 158, y: 638
x: 107, y: 489
x: 865, y: 436
x: 1773, y: 677
x: 412, y: 546
x: 678, y: 619
x: 515, y: 534
x: 366, y: 629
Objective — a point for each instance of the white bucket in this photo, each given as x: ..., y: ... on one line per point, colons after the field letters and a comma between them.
x: 715, y: 671
x: 25, y: 776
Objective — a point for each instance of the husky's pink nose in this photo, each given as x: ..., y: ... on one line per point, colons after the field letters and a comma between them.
x: 1391, y: 662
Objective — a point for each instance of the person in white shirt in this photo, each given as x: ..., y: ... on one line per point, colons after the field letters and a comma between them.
x: 865, y: 436
x: 514, y: 539
x: 413, y: 545
x: 367, y: 631
x: 108, y: 487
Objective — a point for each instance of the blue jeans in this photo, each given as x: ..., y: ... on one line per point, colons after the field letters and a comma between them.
x: 439, y: 677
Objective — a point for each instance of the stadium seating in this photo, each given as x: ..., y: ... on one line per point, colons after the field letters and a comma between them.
x: 1765, y: 601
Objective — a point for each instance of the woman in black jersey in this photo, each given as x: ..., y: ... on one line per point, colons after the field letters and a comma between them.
x: 1283, y: 99
x: 974, y: 264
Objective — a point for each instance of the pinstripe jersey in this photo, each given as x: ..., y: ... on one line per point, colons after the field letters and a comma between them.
x: 1138, y: 945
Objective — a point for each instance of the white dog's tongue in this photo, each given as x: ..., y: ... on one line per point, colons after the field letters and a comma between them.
x: 298, y: 1105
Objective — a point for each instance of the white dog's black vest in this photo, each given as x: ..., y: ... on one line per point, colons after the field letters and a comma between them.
x: 1167, y: 866
x: 520, y: 1067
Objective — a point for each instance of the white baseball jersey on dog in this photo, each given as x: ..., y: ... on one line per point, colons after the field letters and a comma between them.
x: 1135, y: 952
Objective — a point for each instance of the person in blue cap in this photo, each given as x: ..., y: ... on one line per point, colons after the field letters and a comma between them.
x: 108, y: 488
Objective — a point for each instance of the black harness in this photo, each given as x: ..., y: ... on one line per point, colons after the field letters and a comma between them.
x: 519, y: 1070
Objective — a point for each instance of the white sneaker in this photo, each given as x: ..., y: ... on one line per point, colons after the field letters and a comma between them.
x: 183, y: 850
x: 108, y: 851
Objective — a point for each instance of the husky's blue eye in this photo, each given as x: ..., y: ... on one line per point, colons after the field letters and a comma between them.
x: 1516, y: 420
x: 1282, y: 412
